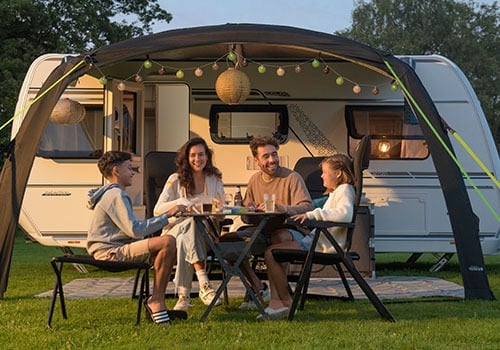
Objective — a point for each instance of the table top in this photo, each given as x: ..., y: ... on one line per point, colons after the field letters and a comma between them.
x: 239, y: 211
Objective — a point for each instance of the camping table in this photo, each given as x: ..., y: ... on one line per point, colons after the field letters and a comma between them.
x: 233, y: 269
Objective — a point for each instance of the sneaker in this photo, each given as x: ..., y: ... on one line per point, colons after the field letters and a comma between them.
x: 183, y: 304
x: 274, y: 314
x: 264, y: 293
x: 207, y: 294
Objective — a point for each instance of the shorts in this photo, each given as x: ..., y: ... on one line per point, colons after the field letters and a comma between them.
x: 131, y: 252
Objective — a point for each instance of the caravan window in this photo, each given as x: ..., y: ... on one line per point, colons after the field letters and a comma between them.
x: 240, y: 124
x: 394, y: 131
x: 76, y: 140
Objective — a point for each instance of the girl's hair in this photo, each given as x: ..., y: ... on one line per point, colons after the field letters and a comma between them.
x: 343, y: 163
x: 184, y: 169
x: 111, y: 158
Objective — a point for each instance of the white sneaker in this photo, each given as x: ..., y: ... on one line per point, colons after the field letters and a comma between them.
x: 183, y: 304
x: 264, y: 293
x: 274, y: 314
x: 207, y: 294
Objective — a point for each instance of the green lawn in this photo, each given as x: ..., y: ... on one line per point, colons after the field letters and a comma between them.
x: 107, y: 323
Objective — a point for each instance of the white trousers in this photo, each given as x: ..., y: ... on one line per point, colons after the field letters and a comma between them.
x: 191, y: 248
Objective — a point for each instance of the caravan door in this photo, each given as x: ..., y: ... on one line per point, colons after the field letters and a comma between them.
x: 124, y: 132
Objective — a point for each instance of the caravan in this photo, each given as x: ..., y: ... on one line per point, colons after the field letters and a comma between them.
x: 316, y: 104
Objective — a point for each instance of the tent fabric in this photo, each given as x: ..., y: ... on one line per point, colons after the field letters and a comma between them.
x: 15, y: 172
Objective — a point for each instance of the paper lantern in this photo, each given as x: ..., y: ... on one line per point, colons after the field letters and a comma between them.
x: 232, y: 86
x: 67, y: 111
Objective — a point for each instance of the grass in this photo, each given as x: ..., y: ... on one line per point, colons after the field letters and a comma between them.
x: 107, y: 323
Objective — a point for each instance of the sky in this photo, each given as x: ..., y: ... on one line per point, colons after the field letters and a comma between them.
x: 325, y: 16
x: 321, y: 15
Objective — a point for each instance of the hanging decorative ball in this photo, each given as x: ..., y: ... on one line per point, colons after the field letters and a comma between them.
x: 356, y: 89
x: 147, y: 64
x: 138, y: 78
x: 232, y: 86
x: 179, y: 74
x: 298, y: 69
x: 162, y: 70
x: 103, y: 80
x: 90, y: 65
x: 375, y: 90
x: 67, y: 111
x: 198, y: 72
x: 121, y: 86
x: 215, y: 66
x: 262, y: 69
x: 315, y: 63
x: 280, y: 72
x: 231, y: 56
x: 339, y: 81
x: 326, y: 69
x: 394, y: 86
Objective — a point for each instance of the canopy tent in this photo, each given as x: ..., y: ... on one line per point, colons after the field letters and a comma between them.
x: 273, y: 41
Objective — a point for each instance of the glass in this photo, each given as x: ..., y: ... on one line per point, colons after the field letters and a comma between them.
x: 228, y: 200
x: 269, y: 202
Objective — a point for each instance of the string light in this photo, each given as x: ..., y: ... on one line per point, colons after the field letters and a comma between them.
x: 148, y: 64
x: 235, y: 60
x: 198, y: 72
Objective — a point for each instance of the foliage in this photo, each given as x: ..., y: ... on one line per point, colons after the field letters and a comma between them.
x: 467, y: 33
x: 30, y: 28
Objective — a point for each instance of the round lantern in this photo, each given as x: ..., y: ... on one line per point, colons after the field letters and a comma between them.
x: 232, y: 86
x: 67, y: 111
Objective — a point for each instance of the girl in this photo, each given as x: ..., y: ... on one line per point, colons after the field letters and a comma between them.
x: 338, y: 179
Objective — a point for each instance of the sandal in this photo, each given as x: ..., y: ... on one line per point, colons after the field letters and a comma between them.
x: 164, y: 316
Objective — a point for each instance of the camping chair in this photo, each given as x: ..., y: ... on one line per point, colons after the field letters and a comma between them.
x: 342, y: 256
x: 157, y: 168
x: 112, y: 266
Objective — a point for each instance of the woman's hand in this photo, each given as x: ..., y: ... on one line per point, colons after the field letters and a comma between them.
x: 179, y: 208
x: 299, y: 217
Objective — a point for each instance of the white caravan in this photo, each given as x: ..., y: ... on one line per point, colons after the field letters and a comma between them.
x: 159, y: 112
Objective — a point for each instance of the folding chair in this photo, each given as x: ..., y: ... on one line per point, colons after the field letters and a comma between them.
x: 157, y: 168
x: 342, y: 257
x: 112, y: 266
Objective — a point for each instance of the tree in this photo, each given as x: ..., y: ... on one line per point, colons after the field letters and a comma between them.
x: 467, y: 33
x: 30, y: 28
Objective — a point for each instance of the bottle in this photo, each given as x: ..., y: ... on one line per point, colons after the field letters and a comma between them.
x: 238, y: 199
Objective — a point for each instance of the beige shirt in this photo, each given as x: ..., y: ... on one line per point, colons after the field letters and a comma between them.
x: 292, y: 196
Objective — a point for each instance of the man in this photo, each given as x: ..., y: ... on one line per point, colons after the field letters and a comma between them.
x: 115, y: 234
x: 292, y: 197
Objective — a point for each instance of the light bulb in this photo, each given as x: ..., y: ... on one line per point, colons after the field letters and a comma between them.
x: 198, y: 72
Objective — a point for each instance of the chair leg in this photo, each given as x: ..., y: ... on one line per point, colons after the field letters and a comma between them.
x: 374, y: 299
x: 58, y: 290
x: 299, y: 294
x: 143, y: 294
x: 344, y: 281
x: 136, y: 284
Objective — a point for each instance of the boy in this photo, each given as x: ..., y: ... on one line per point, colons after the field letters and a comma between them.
x: 115, y: 233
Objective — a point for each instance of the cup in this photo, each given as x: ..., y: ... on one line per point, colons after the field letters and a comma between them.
x: 207, y: 207
x: 269, y: 202
x: 228, y: 200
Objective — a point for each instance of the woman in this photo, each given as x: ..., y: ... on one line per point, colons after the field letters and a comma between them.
x: 195, y: 181
x: 338, y: 179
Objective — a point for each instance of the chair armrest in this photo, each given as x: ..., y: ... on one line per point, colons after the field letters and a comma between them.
x: 319, y: 223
